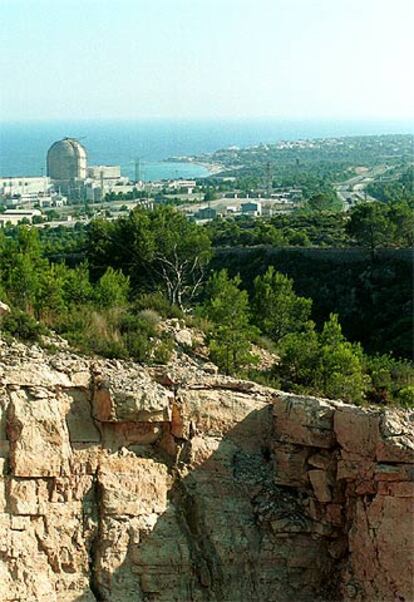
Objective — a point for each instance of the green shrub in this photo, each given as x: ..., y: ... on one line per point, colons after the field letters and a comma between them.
x: 21, y: 325
x: 158, y: 303
x: 150, y: 316
x: 138, y: 332
x: 112, y: 289
x: 392, y: 379
x: 322, y: 363
x: 227, y: 307
x: 163, y: 350
x: 405, y: 397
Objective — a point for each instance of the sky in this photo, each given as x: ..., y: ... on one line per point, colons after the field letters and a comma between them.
x: 193, y: 59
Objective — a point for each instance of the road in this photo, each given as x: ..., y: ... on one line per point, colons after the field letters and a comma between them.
x: 352, y: 191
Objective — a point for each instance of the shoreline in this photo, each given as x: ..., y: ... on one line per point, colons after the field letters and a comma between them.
x: 212, y: 168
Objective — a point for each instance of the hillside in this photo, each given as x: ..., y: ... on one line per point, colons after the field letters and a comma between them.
x: 123, y: 482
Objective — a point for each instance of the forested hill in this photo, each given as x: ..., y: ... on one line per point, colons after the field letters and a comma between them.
x: 334, y: 157
x: 340, y: 329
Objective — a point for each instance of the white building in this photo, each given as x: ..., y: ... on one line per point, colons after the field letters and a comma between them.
x: 187, y: 185
x: 52, y: 200
x: 15, y: 216
x: 252, y: 208
x: 22, y: 186
x: 105, y: 172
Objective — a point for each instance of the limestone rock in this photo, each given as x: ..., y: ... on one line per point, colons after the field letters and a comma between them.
x: 304, y: 421
x: 357, y: 430
x: 129, y: 395
x: 4, y: 309
x: 120, y: 482
x: 38, y: 435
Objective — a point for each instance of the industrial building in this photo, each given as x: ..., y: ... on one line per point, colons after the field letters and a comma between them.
x: 13, y: 217
x: 67, y: 167
x: 253, y: 209
x: 106, y: 172
x: 67, y: 161
x: 22, y: 186
x: 29, y: 192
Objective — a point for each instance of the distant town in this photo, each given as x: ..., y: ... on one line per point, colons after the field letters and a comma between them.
x: 72, y: 190
x: 259, y: 181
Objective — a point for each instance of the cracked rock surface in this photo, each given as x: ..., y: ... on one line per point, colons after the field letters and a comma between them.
x: 123, y: 483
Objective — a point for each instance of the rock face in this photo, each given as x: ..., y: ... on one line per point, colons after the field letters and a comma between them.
x: 122, y: 483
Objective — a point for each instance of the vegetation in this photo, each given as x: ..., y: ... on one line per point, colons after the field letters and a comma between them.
x: 371, y: 295
x: 164, y: 251
x: 277, y: 310
x: 311, y: 165
x: 374, y: 225
x: 231, y: 333
x: 95, y: 316
x: 323, y: 363
x: 397, y: 189
x: 156, y: 264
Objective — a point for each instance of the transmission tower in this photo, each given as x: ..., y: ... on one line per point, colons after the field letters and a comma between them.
x: 137, y: 170
x: 268, y: 180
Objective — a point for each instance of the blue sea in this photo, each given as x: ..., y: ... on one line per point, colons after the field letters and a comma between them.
x: 23, y: 146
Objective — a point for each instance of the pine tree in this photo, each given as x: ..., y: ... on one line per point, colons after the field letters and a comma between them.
x: 278, y: 310
x: 228, y: 310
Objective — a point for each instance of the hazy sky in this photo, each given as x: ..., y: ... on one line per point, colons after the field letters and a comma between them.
x: 206, y: 58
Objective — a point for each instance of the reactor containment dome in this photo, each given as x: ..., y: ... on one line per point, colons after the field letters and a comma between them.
x: 67, y: 161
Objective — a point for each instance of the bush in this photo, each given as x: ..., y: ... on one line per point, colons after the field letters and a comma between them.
x: 138, y: 332
x: 158, y: 303
x: 392, y: 379
x: 163, y: 350
x: 323, y: 363
x: 405, y: 397
x: 21, y: 325
x: 150, y: 316
x: 277, y: 309
x: 231, y: 334
x: 112, y: 289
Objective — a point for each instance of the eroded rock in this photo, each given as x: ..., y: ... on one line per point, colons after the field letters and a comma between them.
x: 122, y: 483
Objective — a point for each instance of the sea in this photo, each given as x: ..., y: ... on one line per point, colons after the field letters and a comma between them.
x: 24, y: 145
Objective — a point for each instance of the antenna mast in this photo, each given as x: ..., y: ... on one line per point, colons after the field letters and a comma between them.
x: 268, y: 180
x: 137, y: 173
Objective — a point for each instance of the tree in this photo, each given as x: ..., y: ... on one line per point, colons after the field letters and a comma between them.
x: 181, y: 254
x: 370, y: 225
x: 22, y: 282
x: 401, y: 216
x: 298, y: 239
x: 112, y: 289
x: 340, y: 372
x: 323, y: 202
x: 298, y: 359
x: 77, y: 288
x: 277, y: 309
x: 210, y: 195
x: 228, y: 309
x: 323, y: 363
x: 49, y: 295
x: 157, y: 249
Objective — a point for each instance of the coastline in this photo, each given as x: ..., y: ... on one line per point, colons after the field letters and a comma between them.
x: 212, y: 168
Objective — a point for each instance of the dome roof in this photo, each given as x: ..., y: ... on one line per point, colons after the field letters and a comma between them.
x: 67, y: 160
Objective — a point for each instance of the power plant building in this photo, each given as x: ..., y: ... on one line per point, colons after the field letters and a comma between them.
x: 105, y: 172
x: 67, y: 166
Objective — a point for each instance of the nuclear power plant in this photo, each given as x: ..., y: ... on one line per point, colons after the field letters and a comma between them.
x: 67, y: 161
x: 67, y: 168
x: 69, y: 180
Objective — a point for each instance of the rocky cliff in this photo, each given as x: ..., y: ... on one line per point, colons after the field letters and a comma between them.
x: 122, y: 483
